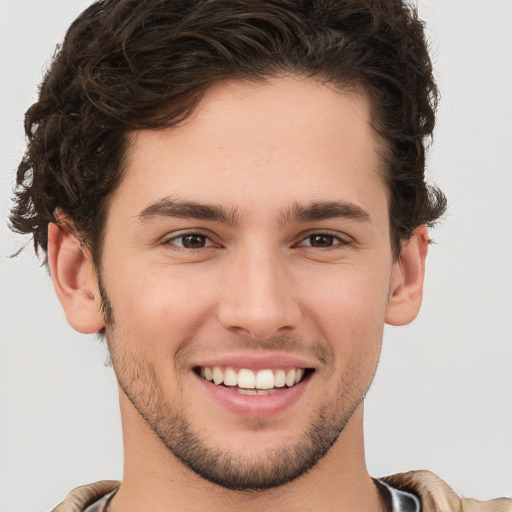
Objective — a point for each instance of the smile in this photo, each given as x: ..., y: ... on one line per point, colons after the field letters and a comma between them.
x: 250, y: 382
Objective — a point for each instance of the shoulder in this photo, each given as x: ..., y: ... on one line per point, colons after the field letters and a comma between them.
x: 81, y: 497
x: 437, y: 496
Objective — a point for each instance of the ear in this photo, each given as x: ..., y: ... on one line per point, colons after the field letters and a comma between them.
x: 74, y: 278
x: 406, y: 292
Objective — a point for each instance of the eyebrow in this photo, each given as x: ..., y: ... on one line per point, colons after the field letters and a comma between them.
x: 323, y: 210
x: 299, y: 213
x: 171, y: 207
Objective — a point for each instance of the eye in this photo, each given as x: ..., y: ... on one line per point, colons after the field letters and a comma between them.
x: 323, y: 241
x: 190, y: 241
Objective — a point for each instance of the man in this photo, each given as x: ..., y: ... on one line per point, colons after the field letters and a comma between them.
x: 233, y: 194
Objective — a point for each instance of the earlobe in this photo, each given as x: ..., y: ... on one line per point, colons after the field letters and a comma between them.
x: 74, y: 279
x: 406, y: 291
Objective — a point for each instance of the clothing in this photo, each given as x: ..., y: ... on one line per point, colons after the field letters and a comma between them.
x: 396, y: 500
x: 102, y: 504
x: 81, y: 497
x: 437, y: 496
x: 434, y: 495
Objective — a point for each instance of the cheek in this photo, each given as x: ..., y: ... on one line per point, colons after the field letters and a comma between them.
x: 348, y: 298
x: 347, y: 311
x: 162, y: 303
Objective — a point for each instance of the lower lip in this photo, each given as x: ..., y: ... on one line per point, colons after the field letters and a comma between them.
x: 255, y: 406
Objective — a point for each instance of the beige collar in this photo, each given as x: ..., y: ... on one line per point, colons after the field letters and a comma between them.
x: 434, y: 494
x: 437, y: 496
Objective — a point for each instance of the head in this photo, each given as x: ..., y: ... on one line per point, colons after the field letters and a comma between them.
x: 134, y: 85
x: 127, y: 66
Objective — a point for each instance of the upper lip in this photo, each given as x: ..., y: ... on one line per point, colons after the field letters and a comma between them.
x: 253, y: 361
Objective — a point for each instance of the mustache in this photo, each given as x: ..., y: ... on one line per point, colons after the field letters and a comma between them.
x: 290, y: 344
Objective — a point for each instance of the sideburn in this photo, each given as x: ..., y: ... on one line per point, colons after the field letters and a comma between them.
x: 107, y: 311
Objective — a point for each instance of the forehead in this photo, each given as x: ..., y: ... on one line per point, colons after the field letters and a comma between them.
x: 282, y: 141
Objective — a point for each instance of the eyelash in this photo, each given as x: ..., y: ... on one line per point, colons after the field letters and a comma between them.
x: 172, y: 241
x: 338, y: 241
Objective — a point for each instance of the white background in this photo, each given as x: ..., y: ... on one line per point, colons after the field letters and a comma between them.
x: 442, y: 398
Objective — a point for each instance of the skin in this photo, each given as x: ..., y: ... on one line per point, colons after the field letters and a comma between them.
x: 263, y: 282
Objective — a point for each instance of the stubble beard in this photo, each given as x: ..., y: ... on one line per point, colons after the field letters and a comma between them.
x: 272, y: 468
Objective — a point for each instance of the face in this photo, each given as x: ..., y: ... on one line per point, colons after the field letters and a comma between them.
x: 247, y: 264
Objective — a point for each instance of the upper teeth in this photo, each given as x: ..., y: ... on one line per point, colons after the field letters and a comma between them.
x: 249, y: 379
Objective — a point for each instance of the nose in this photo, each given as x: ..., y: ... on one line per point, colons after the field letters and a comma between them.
x: 258, y: 297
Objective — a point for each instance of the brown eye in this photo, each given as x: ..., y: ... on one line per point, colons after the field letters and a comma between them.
x: 321, y: 241
x: 190, y: 241
x: 193, y: 241
x: 325, y: 240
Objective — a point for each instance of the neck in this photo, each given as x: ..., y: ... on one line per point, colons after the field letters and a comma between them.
x: 156, y: 480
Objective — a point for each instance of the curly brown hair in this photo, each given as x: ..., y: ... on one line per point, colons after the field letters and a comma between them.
x: 128, y: 65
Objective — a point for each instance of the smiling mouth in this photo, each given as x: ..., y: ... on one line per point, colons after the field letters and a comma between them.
x: 253, y: 382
